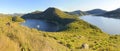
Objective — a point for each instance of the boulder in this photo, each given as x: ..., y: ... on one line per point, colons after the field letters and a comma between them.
x: 85, y: 46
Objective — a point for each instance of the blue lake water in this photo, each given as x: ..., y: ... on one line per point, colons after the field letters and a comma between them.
x: 108, y: 25
x: 41, y: 25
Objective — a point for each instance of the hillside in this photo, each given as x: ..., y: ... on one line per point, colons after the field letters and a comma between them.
x: 14, y: 37
x: 79, y: 36
x: 52, y: 14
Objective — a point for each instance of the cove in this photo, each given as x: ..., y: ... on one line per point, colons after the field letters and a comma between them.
x: 41, y: 25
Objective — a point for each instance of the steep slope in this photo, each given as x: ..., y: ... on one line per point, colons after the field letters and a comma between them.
x: 96, y: 11
x: 112, y: 14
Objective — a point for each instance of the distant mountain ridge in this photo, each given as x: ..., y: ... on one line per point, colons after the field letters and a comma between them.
x: 78, y: 12
x: 112, y: 14
x: 17, y: 14
x: 35, y: 12
x: 96, y: 11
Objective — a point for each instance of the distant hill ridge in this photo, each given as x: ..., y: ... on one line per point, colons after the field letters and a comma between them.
x: 112, y: 14
x: 78, y: 12
x: 96, y: 11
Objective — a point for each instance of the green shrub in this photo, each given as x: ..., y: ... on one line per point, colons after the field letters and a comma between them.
x: 17, y: 19
x: 68, y: 45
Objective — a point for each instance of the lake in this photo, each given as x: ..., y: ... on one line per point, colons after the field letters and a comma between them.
x: 108, y: 25
x: 41, y: 25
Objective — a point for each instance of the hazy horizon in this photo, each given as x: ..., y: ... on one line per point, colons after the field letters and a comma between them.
x: 26, y: 6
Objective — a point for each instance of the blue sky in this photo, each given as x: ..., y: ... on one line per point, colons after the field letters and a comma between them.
x: 25, y: 6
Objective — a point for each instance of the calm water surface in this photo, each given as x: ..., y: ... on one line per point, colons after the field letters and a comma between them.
x: 41, y: 25
x: 108, y: 25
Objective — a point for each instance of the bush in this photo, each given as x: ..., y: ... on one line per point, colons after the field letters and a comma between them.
x: 17, y: 19
x: 68, y: 45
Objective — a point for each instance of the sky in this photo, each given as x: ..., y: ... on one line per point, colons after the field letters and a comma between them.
x: 26, y: 6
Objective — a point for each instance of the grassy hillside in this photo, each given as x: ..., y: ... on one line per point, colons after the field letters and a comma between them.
x: 14, y: 37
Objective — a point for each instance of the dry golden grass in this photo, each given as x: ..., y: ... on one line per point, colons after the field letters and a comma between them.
x: 14, y: 37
